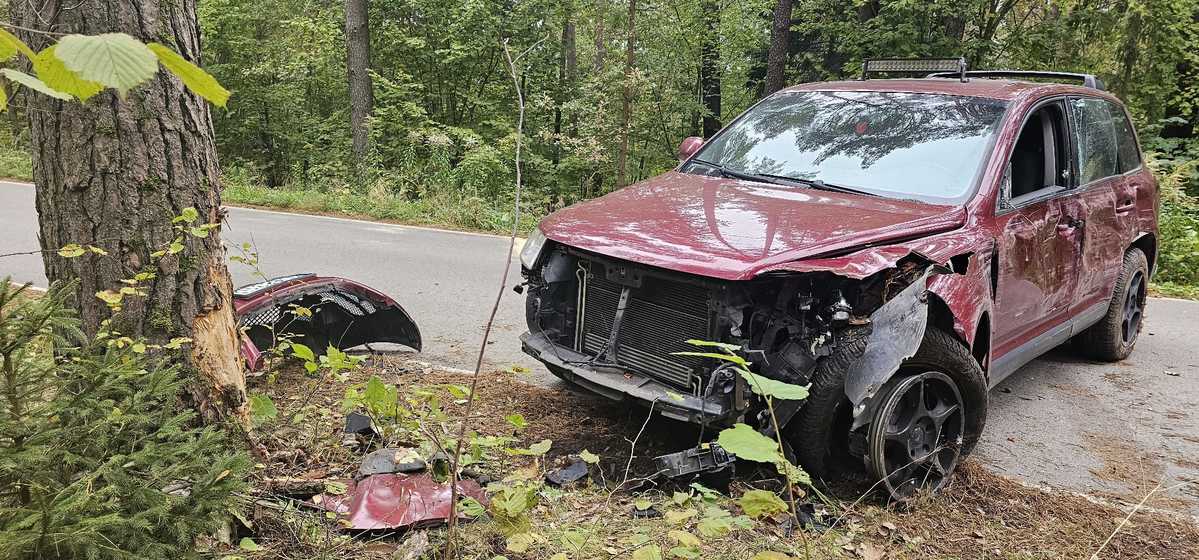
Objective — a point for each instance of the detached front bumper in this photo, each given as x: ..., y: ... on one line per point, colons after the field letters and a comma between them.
x: 620, y: 385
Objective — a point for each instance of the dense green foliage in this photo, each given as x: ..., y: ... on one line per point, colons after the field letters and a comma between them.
x: 98, y: 458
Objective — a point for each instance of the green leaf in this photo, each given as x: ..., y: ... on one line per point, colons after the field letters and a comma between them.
x: 517, y: 420
x: 716, y: 356
x: 10, y: 45
x: 188, y: 214
x: 589, y: 457
x: 761, y: 503
x: 774, y: 388
x: 175, y: 248
x: 56, y: 75
x: 115, y: 60
x: 685, y: 552
x: 262, y: 409
x: 520, y: 542
x: 683, y: 538
x: 195, y: 78
x: 249, y: 545
x: 34, y: 84
x: 771, y: 555
x: 471, y: 507
x: 304, y: 353
x: 651, y: 552
x: 3, y: 99
x: 71, y: 250
x: 730, y: 348
x: 336, y: 488
x: 539, y: 448
x: 715, y: 527
x: 746, y: 443
x: 643, y: 504
x: 678, y: 517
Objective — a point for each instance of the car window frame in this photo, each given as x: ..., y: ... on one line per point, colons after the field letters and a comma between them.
x: 1050, y: 192
x: 1136, y: 138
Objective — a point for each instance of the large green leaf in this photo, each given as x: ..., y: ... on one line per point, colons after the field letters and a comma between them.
x: 3, y: 99
x: 55, y: 74
x: 10, y: 45
x: 115, y: 60
x: 34, y: 84
x: 746, y: 443
x: 774, y: 388
x: 761, y: 503
x: 195, y: 78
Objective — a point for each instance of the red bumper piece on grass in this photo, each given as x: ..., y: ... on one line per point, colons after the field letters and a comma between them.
x: 396, y: 501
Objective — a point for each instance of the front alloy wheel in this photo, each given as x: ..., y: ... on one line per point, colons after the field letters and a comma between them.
x: 915, y: 439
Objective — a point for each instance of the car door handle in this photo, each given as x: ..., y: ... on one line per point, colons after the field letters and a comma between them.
x: 1126, y: 206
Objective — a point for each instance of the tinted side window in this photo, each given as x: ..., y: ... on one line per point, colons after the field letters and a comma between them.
x: 1096, y: 137
x: 1128, y: 155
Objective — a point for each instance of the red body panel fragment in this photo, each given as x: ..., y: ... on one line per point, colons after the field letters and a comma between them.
x: 396, y: 501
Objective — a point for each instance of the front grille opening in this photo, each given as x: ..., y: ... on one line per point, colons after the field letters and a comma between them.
x: 661, y: 316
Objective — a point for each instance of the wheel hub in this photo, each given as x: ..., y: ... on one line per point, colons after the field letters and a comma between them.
x: 1134, y: 308
x: 913, y: 441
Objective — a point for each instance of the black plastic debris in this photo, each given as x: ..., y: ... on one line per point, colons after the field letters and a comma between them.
x: 708, y: 458
x: 574, y: 472
x: 359, y: 424
x: 647, y: 513
x: 391, y: 460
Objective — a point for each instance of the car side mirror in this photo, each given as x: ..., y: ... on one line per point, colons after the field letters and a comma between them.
x: 689, y: 146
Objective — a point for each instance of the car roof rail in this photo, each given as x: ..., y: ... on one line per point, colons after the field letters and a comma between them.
x: 946, y: 66
x: 1088, y: 80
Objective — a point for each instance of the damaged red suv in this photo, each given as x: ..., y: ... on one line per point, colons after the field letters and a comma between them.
x: 899, y: 245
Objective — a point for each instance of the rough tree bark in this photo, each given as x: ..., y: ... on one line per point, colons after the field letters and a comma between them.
x: 113, y: 172
x: 567, y: 64
x: 780, y: 39
x: 626, y: 107
x: 709, y: 68
x: 358, y: 61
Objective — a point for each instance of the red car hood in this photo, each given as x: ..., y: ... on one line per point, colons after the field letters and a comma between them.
x: 733, y: 229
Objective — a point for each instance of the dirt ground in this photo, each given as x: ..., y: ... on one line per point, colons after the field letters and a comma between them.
x: 980, y: 515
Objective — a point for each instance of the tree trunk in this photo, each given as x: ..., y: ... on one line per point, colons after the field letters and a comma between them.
x: 626, y: 108
x: 567, y: 61
x: 601, y: 44
x: 358, y: 61
x: 709, y: 68
x: 112, y: 173
x: 780, y: 38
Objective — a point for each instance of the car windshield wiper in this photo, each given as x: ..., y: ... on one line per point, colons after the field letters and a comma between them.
x: 820, y: 184
x: 781, y: 179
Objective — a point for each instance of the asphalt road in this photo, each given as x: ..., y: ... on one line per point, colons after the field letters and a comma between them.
x: 1108, y: 430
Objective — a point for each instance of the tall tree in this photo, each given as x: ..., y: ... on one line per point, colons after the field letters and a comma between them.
x: 114, y: 172
x: 780, y: 39
x: 626, y: 107
x: 358, y: 61
x: 709, y: 67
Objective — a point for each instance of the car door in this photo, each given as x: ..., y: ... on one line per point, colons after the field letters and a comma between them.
x: 1107, y: 198
x: 1039, y: 229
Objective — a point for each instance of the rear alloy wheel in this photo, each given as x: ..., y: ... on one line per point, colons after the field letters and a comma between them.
x: 915, y: 439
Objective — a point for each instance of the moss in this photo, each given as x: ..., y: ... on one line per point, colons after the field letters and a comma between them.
x: 160, y: 320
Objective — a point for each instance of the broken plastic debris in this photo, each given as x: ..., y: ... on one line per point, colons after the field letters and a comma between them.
x: 575, y: 471
x: 358, y: 423
x: 395, y: 501
x: 391, y: 460
x: 707, y: 458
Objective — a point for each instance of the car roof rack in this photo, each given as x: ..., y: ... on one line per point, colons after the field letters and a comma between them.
x: 946, y: 66
x: 1088, y: 80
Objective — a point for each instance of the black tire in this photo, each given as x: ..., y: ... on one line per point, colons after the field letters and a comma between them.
x: 819, y: 433
x: 1108, y: 340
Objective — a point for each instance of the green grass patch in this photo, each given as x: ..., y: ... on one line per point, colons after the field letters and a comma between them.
x: 1171, y: 289
x: 447, y: 211
x: 14, y: 160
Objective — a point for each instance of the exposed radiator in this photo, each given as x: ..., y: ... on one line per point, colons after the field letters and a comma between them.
x: 660, y: 317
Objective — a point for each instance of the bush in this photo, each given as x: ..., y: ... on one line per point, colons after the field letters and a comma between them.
x: 98, y: 457
x: 1179, y: 226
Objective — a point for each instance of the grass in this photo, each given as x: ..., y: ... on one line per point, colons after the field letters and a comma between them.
x: 980, y: 516
x: 445, y: 211
x: 1170, y: 289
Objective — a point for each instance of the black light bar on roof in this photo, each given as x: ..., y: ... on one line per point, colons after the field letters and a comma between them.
x: 914, y: 66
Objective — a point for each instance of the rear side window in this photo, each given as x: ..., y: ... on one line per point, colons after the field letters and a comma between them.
x: 1128, y: 155
x: 1096, y: 140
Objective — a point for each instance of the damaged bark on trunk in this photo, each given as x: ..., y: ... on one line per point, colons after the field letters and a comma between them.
x: 112, y: 173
